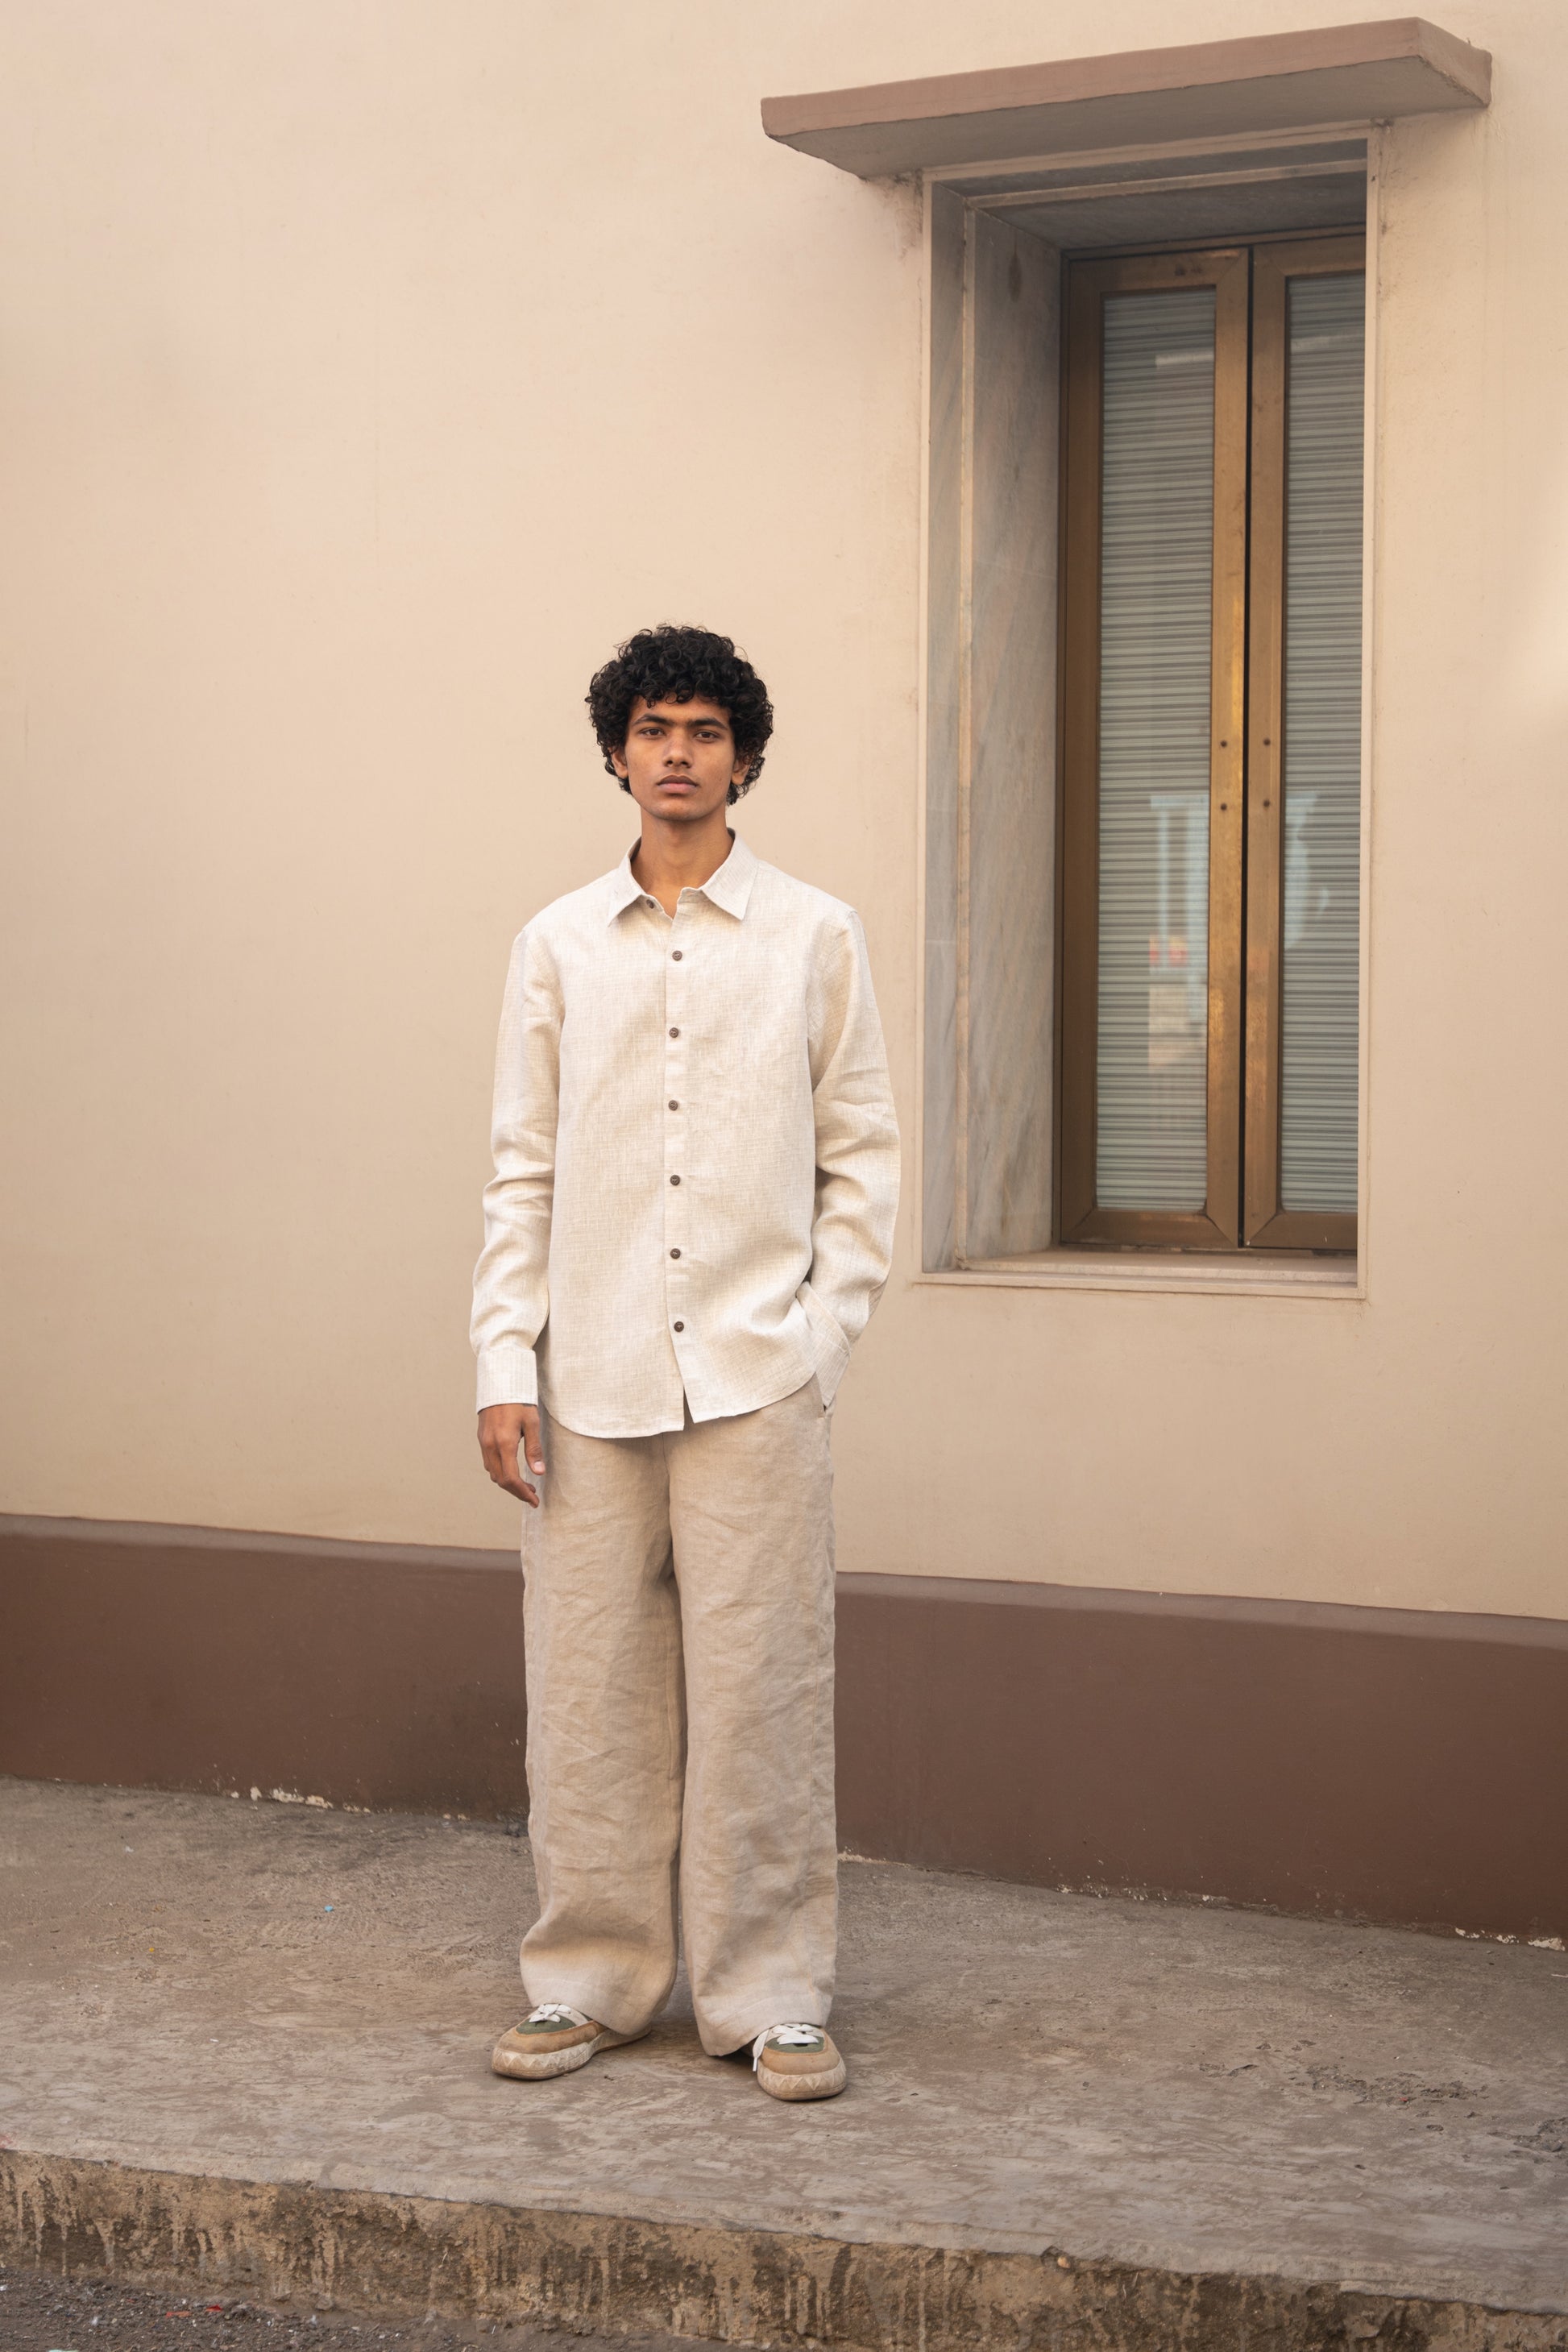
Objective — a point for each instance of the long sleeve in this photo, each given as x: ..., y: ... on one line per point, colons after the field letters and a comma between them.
x: 512, y: 1281
x: 857, y: 1157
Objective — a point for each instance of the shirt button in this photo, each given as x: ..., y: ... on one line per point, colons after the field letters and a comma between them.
x: 675, y: 1180
x: 675, y: 956
x: 647, y: 902
x: 675, y: 1032
x: 680, y: 1327
x: 675, y: 1253
x: 674, y: 1106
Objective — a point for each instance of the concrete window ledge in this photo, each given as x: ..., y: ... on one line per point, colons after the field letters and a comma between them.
x: 1270, y: 82
x: 1246, y: 1275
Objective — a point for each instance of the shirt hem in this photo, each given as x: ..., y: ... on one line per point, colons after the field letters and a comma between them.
x: 667, y: 1428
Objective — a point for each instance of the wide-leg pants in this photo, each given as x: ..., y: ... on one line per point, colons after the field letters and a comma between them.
x: 678, y: 1626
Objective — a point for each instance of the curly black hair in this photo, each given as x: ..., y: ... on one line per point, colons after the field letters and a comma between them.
x: 671, y: 664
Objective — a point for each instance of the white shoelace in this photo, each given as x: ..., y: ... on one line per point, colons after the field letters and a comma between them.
x: 555, y: 2012
x: 788, y: 2037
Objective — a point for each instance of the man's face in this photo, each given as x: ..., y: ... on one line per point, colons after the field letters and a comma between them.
x: 678, y: 759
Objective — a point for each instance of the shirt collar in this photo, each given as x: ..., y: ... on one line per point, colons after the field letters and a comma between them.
x: 621, y: 888
x: 730, y: 888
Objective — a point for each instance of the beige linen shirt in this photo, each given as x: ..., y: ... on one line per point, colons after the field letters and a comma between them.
x: 696, y: 1152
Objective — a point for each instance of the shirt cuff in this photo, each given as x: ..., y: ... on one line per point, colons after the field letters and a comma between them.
x: 508, y: 1376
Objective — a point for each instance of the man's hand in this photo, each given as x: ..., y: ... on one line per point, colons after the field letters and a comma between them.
x: 503, y: 1428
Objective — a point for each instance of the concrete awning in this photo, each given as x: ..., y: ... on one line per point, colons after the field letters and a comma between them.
x: 1271, y: 81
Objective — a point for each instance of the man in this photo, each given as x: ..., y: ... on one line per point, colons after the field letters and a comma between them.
x: 689, y: 1223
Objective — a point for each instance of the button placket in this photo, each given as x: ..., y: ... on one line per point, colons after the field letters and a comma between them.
x: 677, y: 1192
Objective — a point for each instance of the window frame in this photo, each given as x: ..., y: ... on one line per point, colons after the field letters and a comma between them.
x: 1242, y: 1211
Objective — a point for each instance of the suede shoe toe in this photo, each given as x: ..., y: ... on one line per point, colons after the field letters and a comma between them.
x: 798, y: 2061
x: 552, y: 2039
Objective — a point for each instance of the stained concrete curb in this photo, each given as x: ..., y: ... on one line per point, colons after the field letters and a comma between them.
x: 613, y: 2273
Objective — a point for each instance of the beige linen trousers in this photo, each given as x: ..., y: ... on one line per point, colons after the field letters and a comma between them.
x: 678, y: 1626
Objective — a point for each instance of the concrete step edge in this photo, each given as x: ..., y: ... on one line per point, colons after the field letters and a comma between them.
x: 618, y: 2274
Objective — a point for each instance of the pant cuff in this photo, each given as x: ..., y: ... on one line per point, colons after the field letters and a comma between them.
x: 620, y: 2010
x: 740, y: 2023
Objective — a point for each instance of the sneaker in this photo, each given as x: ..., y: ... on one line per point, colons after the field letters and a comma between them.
x: 797, y: 2061
x: 554, y: 2040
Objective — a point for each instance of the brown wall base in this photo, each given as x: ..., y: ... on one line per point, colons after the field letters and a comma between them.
x: 1386, y: 1764
x: 1376, y: 1763
x: 388, y: 1675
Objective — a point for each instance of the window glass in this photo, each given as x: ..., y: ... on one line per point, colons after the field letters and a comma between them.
x: 1155, y: 636
x: 1321, y: 751
x: 1211, y: 661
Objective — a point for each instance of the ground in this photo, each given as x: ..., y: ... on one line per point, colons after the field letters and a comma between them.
x: 42, y: 2313
x: 262, y: 2031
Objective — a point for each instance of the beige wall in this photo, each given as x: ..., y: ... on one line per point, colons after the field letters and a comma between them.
x: 369, y: 366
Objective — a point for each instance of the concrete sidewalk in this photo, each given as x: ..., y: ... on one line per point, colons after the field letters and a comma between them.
x: 251, y: 2040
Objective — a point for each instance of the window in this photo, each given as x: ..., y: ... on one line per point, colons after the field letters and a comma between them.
x: 1211, y: 747
x: 1138, y: 979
